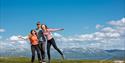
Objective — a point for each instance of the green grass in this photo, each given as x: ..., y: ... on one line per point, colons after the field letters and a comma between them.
x: 27, y: 60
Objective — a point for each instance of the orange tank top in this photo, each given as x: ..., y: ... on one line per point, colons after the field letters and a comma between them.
x: 34, y: 40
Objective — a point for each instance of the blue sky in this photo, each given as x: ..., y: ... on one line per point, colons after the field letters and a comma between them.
x: 77, y: 17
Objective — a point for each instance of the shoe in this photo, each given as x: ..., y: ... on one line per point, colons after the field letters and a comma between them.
x: 40, y: 61
x: 44, y: 60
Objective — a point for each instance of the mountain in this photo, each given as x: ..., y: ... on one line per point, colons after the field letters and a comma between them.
x: 117, y: 54
x: 74, y: 53
x: 90, y: 53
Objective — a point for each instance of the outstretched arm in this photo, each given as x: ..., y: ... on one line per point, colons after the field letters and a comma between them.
x: 24, y: 38
x: 52, y: 29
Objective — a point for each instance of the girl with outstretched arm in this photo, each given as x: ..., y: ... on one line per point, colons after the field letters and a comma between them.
x: 50, y: 40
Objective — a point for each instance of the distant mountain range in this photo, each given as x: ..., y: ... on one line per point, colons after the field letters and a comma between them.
x: 74, y: 53
x: 92, y: 53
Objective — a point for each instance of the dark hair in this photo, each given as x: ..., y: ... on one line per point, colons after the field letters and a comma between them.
x: 32, y: 31
x: 44, y: 25
x: 38, y: 23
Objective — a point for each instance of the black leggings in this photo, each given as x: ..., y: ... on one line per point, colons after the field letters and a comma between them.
x: 33, y: 49
x: 49, y: 43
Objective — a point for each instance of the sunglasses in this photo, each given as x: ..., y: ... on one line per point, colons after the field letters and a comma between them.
x: 38, y: 24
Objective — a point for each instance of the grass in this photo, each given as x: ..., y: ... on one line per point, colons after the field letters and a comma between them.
x: 27, y: 60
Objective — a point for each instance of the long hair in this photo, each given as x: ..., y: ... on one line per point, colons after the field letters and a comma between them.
x: 45, y: 26
x: 32, y: 33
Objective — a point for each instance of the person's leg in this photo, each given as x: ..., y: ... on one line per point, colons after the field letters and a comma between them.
x: 33, y: 53
x: 55, y: 46
x: 38, y: 53
x: 43, y: 50
x: 40, y: 47
x: 48, y: 50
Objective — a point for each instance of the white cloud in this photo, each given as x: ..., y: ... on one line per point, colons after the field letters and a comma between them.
x: 21, y: 42
x: 2, y: 30
x: 14, y: 44
x: 0, y: 37
x: 57, y: 35
x: 98, y: 26
x: 118, y: 23
x: 86, y: 37
x: 108, y: 29
x: 107, y: 37
x: 14, y: 38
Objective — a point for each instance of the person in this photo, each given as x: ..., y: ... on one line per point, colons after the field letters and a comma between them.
x: 41, y: 40
x: 50, y: 40
x: 32, y: 37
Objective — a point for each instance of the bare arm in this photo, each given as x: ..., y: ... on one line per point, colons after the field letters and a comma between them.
x: 24, y: 38
x: 52, y: 29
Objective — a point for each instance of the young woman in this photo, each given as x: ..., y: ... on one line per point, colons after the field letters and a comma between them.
x: 34, y: 45
x: 50, y: 40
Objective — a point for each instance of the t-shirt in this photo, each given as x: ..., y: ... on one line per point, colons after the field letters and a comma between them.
x: 34, y: 40
x: 40, y: 35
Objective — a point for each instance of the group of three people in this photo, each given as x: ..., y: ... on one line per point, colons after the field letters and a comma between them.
x: 38, y: 38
